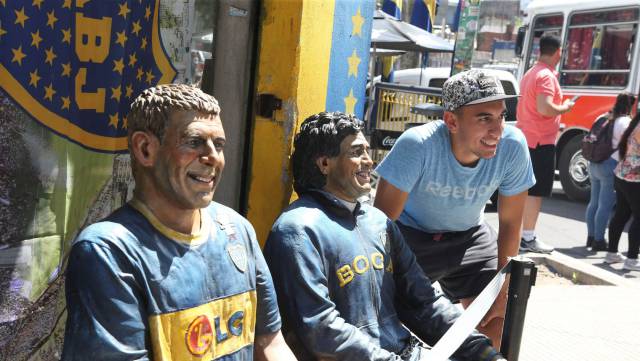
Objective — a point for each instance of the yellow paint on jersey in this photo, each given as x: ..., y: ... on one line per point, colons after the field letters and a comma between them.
x: 193, y: 239
x: 205, y: 332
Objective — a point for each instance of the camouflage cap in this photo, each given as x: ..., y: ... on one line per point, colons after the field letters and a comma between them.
x: 471, y: 87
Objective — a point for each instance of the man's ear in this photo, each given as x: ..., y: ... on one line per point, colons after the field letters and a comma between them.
x: 145, y: 147
x: 323, y: 164
x: 451, y: 121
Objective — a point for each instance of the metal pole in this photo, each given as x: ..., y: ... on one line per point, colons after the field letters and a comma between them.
x: 523, y: 276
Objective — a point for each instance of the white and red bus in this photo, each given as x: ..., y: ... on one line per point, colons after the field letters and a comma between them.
x: 600, y: 60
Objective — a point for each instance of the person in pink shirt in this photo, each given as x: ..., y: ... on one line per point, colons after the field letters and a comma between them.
x: 538, y: 115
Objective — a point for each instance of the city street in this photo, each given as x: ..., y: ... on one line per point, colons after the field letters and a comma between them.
x: 562, y: 225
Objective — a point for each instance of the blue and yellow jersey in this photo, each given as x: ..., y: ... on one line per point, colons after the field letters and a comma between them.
x: 138, y: 290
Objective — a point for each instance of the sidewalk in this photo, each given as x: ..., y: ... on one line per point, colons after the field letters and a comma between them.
x: 580, y: 322
x: 586, y: 323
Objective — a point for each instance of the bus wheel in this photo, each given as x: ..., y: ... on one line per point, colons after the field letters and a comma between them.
x: 574, y: 170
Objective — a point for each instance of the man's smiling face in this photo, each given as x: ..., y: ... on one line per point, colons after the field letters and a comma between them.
x: 349, y: 173
x: 190, y: 159
x: 476, y: 130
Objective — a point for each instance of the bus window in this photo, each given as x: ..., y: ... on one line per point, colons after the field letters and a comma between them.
x: 599, y: 48
x: 547, y: 24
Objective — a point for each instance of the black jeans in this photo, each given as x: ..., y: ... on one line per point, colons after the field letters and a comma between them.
x: 627, y: 204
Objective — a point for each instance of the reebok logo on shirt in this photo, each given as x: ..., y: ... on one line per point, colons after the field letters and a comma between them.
x: 457, y: 192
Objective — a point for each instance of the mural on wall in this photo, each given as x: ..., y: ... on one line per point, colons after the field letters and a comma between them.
x: 68, y: 73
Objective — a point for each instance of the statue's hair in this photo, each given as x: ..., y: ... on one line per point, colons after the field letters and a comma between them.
x: 150, y: 111
x: 320, y: 135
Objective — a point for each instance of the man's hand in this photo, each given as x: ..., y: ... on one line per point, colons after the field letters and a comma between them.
x: 498, y: 308
x: 567, y: 105
x: 271, y: 347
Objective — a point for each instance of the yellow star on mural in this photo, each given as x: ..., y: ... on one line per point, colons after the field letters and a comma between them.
x: 115, y: 93
x: 2, y: 31
x: 122, y: 38
x: 50, y: 56
x: 125, y: 123
x: 128, y: 91
x: 139, y: 74
x: 34, y: 78
x: 147, y: 12
x: 37, y: 3
x: 21, y: 17
x: 357, y: 21
x: 118, y: 65
x: 354, y: 62
x: 49, y: 92
x: 51, y: 19
x: 4, y: 3
x: 124, y: 10
x: 80, y: 3
x: 149, y: 77
x: 144, y: 43
x: 18, y: 55
x: 65, y: 102
x: 66, y: 69
x: 350, y: 103
x: 113, y: 120
x: 36, y: 39
x: 66, y: 36
x: 67, y: 4
x: 136, y: 27
x: 132, y: 59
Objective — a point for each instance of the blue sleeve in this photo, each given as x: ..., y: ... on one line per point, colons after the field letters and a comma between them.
x: 105, y: 315
x: 403, y: 166
x: 268, y: 316
x: 519, y: 171
x: 298, y: 271
x: 424, y: 310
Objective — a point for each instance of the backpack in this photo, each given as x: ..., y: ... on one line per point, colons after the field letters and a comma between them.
x: 597, y: 144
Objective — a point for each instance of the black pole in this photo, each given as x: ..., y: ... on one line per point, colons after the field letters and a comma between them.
x: 523, y: 276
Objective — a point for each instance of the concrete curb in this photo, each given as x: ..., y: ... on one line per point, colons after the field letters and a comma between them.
x: 578, y: 271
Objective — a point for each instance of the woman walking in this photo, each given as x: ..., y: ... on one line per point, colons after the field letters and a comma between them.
x: 627, y: 186
x: 603, y: 196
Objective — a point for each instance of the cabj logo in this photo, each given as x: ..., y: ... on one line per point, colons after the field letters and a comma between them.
x: 75, y: 66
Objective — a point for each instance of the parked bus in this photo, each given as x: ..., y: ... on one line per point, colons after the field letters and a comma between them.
x: 600, y: 60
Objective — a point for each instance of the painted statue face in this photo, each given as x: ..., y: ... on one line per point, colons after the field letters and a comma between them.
x: 190, y: 159
x: 349, y: 173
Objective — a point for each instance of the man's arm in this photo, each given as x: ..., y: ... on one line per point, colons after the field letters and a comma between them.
x: 105, y: 313
x: 510, y: 209
x: 272, y: 347
x: 546, y: 106
x: 390, y: 199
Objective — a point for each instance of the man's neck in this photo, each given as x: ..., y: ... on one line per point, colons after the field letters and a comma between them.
x: 547, y: 60
x: 466, y: 159
x: 185, y: 221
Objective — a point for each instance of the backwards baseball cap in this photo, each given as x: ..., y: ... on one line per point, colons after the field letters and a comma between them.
x: 472, y: 87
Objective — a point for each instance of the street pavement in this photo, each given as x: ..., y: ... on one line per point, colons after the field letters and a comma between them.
x: 578, y: 322
x: 561, y: 224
